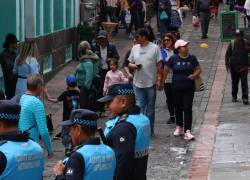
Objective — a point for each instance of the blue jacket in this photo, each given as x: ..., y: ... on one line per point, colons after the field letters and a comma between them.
x: 129, y: 135
x: 20, y: 157
x: 111, y: 50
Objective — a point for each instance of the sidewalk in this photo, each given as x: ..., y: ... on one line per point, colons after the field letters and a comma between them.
x: 172, y: 158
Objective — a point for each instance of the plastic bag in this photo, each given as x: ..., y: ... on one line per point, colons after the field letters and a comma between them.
x: 196, y: 22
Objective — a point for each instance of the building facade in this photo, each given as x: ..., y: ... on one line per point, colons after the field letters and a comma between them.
x: 51, y: 22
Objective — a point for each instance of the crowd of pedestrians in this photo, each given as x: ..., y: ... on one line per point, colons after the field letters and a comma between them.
x: 126, y: 95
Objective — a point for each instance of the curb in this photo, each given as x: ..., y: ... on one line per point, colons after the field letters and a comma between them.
x: 202, y: 155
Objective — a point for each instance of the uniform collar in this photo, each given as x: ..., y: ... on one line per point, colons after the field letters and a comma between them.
x: 16, y: 136
x: 132, y: 110
x: 93, y: 141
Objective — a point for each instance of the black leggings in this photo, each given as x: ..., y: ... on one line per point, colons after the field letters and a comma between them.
x: 169, y: 98
x: 183, y: 101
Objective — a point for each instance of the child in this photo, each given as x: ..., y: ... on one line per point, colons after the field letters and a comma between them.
x: 113, y: 75
x: 70, y: 99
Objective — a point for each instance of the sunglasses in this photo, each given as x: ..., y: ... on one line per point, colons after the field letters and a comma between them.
x: 167, y: 40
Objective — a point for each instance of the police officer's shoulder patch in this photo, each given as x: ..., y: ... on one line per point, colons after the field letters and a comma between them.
x: 2, y: 142
x: 69, y: 172
x: 122, y: 139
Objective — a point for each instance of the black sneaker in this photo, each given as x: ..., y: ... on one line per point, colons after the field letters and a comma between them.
x: 171, y: 120
x: 245, y: 102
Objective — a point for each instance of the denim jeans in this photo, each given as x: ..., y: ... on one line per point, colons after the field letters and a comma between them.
x: 66, y: 139
x: 145, y: 99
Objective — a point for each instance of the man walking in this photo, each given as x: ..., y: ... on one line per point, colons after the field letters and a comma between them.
x: 32, y: 116
x: 145, y: 58
x: 237, y: 62
x: 203, y: 12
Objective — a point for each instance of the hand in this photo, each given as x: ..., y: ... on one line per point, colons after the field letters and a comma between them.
x: 58, y: 168
x: 191, y: 77
x: 159, y: 85
x: 50, y: 155
x: 130, y: 77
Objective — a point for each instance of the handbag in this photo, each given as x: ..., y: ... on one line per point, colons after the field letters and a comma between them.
x: 199, y: 85
x: 163, y: 15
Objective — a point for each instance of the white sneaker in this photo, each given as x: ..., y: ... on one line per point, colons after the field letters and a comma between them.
x: 178, y: 131
x: 188, y: 136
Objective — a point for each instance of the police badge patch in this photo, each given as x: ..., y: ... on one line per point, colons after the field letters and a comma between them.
x: 122, y: 139
x: 69, y: 171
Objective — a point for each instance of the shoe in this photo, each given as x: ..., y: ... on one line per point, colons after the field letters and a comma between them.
x: 67, y: 152
x: 178, y: 131
x: 204, y: 37
x: 171, y: 120
x: 234, y: 99
x: 188, y: 136
x: 130, y: 36
x: 245, y: 102
x: 58, y: 135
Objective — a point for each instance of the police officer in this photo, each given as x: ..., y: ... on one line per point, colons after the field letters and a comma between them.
x: 20, y: 157
x: 127, y: 132
x: 91, y: 159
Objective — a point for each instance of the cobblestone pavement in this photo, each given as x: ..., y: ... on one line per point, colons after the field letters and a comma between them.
x: 170, y: 157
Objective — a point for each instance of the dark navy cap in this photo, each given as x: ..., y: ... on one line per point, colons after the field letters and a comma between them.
x: 83, y: 117
x: 9, y: 110
x: 102, y: 34
x: 122, y: 88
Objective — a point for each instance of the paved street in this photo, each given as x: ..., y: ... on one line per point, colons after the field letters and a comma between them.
x: 219, y: 151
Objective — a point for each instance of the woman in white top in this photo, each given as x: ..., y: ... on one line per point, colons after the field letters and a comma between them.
x: 26, y: 64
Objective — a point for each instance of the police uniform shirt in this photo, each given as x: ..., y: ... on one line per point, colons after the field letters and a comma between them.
x: 74, y: 169
x: 122, y: 139
x: 15, y: 136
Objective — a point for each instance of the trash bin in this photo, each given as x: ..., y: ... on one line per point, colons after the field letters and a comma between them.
x: 228, y: 25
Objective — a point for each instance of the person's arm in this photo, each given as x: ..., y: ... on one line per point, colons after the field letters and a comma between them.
x: 34, y: 66
x: 42, y: 126
x: 115, y: 52
x: 123, y: 77
x: 3, y: 162
x: 123, y: 140
x: 228, y: 55
x: 14, y: 70
x: 89, y: 74
x: 159, y: 69
x: 106, y: 83
x: 74, y: 169
x: 197, y: 69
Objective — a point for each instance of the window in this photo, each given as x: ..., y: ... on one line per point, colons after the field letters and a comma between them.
x: 69, y: 13
x: 39, y: 19
x: 58, y: 15
x: 47, y: 63
x: 8, y: 19
x: 47, y: 16
x: 68, y: 53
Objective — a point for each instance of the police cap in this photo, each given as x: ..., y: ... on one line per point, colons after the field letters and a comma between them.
x: 83, y: 117
x: 9, y: 110
x: 122, y: 88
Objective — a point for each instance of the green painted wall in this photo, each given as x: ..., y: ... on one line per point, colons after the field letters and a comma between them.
x: 7, y: 19
x: 68, y: 13
x: 46, y: 16
x: 58, y: 15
